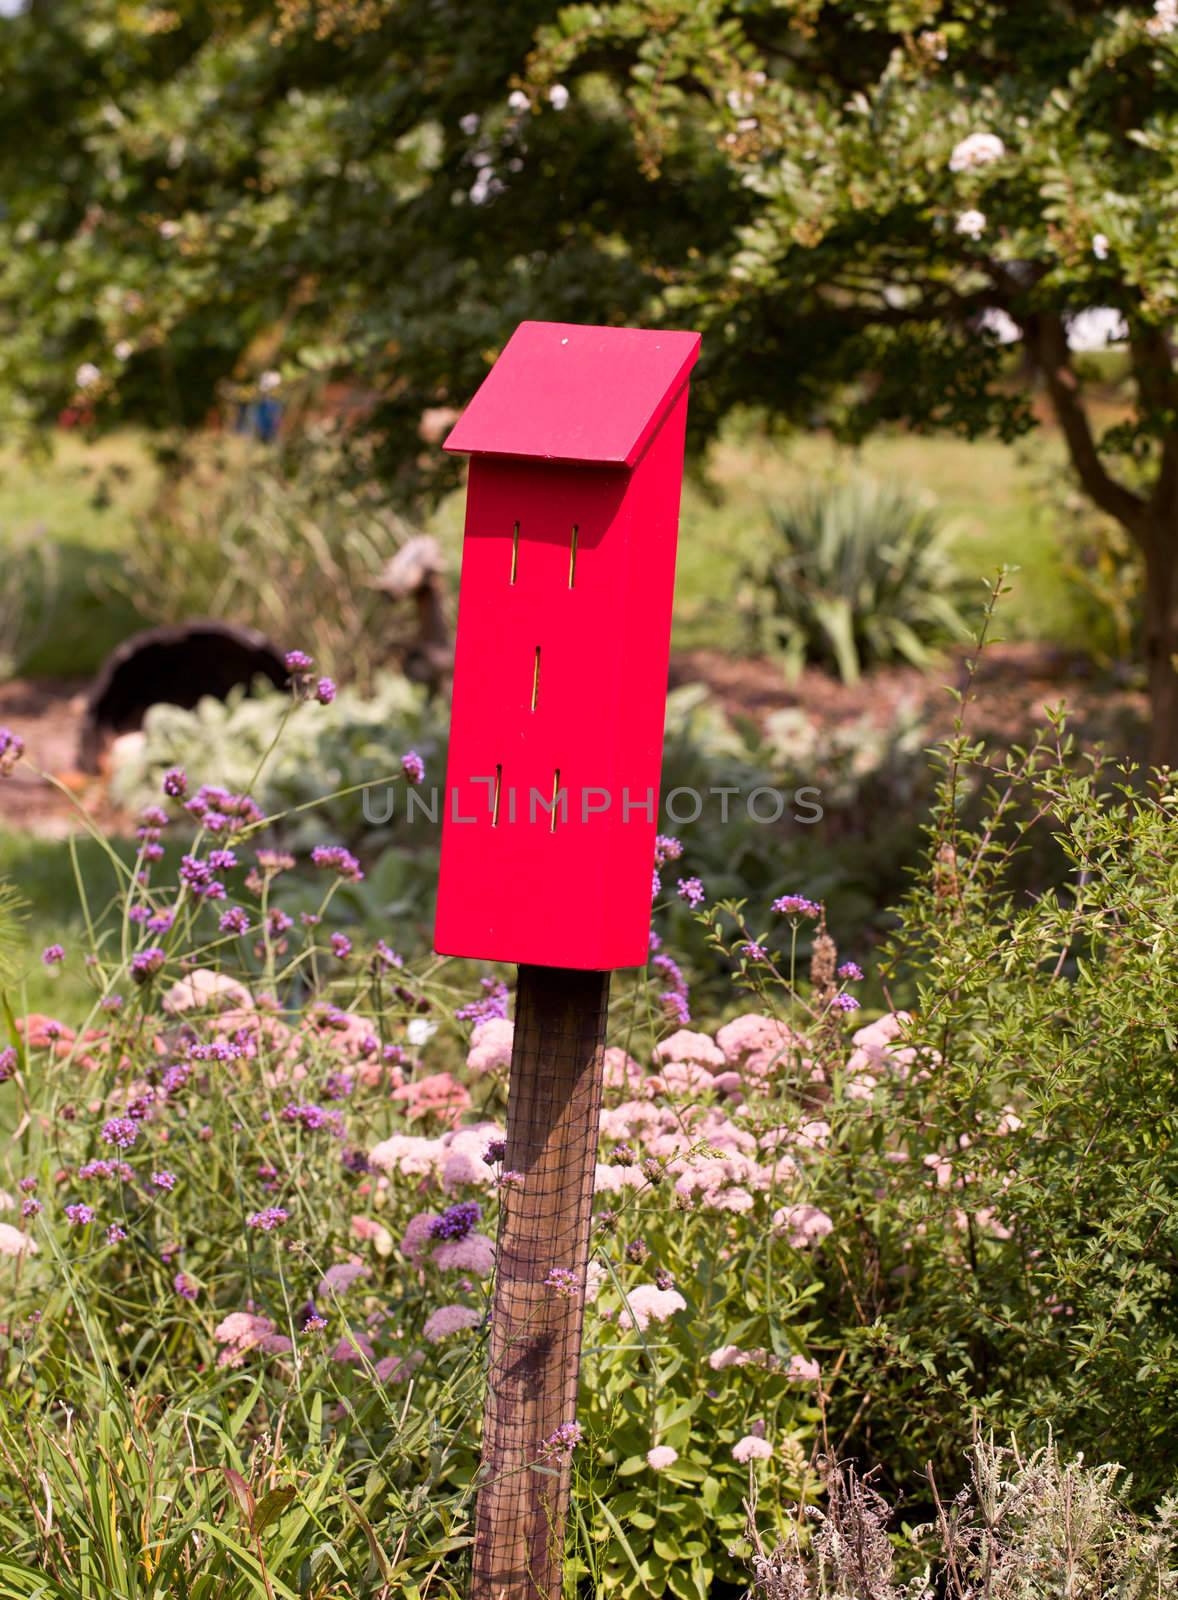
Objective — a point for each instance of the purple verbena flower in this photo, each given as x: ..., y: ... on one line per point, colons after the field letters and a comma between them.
x: 796, y: 905
x: 200, y: 876
x: 495, y: 1152
x: 341, y: 946
x: 120, y: 1131
x: 273, y: 862
x: 383, y: 957
x: 184, y: 1286
x: 53, y: 955
x: 564, y: 1441
x: 175, y: 783
x: 845, y: 1002
x: 146, y: 963
x: 563, y: 1282
x: 691, y: 890
x: 851, y: 972
x: 269, y: 1219
x: 9, y: 1061
x: 334, y: 858
x: 413, y: 767
x: 234, y: 921
x: 115, y: 1234
x: 675, y: 1007
x: 80, y: 1216
x: 458, y: 1222
x: 752, y: 951
x: 492, y: 1005
x: 164, y: 1180
x: 314, y: 1118
x: 298, y: 661
x: 666, y: 849
x: 12, y: 747
x: 325, y: 691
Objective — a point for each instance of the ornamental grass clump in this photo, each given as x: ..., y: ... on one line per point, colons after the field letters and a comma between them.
x: 855, y: 575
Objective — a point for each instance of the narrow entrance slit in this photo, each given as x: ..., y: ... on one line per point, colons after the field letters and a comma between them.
x: 573, y: 558
x: 555, y: 793
x: 514, y: 552
x: 536, y: 680
x: 495, y: 797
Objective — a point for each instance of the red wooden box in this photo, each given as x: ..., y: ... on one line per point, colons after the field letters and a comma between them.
x: 564, y: 622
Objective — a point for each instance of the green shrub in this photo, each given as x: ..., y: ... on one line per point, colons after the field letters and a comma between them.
x: 854, y: 575
x: 1006, y: 1208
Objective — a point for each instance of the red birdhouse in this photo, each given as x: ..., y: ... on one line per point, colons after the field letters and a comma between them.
x: 564, y: 623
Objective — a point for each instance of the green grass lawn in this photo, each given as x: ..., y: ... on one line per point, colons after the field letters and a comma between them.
x: 76, y: 504
x: 987, y: 491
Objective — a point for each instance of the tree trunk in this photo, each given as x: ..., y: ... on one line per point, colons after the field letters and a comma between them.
x: 1160, y: 548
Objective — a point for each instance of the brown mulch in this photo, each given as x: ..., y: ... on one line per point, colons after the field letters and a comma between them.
x: 1015, y: 682
x: 47, y: 714
x: 1013, y: 685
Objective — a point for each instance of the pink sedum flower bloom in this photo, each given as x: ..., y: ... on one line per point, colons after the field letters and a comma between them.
x: 15, y: 1243
x: 802, y: 1225
x: 490, y: 1046
x: 728, y: 1355
x: 476, y: 1254
x: 647, y: 1304
x: 750, y: 1448
x: 243, y: 1331
x: 340, y: 1278
x: 447, y: 1320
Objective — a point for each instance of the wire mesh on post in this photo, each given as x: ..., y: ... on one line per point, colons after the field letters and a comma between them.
x: 554, y: 1106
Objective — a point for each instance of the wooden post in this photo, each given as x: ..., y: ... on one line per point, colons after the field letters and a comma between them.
x: 553, y: 1112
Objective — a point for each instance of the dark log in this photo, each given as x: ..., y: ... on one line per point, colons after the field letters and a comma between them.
x: 176, y: 665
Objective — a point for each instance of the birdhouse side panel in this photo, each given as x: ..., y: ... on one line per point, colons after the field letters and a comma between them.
x: 538, y: 688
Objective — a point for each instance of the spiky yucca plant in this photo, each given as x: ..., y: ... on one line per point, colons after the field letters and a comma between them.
x: 856, y: 574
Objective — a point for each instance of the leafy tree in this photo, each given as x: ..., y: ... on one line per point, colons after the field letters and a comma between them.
x: 852, y: 199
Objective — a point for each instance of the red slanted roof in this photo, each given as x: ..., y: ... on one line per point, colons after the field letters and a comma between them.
x: 561, y: 391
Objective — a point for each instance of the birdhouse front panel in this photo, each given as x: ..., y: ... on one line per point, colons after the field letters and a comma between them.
x: 560, y: 673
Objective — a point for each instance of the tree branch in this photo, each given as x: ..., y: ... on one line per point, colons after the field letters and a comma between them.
x: 1051, y: 347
